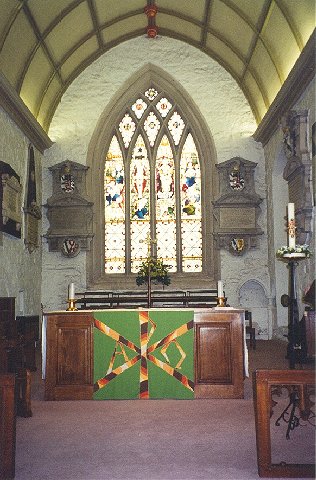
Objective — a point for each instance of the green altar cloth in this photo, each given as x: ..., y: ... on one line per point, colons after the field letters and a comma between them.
x: 143, y: 354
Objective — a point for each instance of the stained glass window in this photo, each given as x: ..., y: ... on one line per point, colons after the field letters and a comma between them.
x: 140, y: 202
x: 163, y: 107
x: 151, y: 93
x: 166, y: 204
x: 191, y: 231
x: 139, y: 107
x: 127, y: 128
x: 176, y: 126
x: 152, y: 126
x: 114, y: 209
x: 152, y: 188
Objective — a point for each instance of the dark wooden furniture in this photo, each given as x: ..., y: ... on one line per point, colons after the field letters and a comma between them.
x: 250, y: 329
x: 12, y: 358
x: 93, y: 300
x: 28, y: 327
x: 7, y: 317
x: 7, y: 426
x: 218, y: 354
x: 309, y: 333
x: 23, y: 393
x: 219, y: 361
x: 69, y: 356
x: 264, y: 381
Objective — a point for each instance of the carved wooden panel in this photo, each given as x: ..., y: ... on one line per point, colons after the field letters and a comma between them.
x: 214, y: 363
x: 219, y: 363
x: 73, y: 343
x: 69, y: 357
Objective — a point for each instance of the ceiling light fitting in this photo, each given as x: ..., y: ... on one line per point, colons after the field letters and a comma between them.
x: 151, y: 11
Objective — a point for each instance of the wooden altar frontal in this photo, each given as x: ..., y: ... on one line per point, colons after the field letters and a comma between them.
x: 143, y: 353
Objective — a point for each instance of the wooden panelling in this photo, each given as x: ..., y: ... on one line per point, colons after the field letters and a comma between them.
x: 219, y: 362
x: 69, y: 357
x: 218, y: 337
x: 73, y: 344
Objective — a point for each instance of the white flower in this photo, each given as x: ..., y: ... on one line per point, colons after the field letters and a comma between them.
x: 285, y: 250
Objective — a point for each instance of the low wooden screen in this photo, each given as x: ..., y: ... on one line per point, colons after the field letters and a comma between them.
x: 300, y: 385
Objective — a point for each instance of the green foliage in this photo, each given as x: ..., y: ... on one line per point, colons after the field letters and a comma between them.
x: 158, y: 271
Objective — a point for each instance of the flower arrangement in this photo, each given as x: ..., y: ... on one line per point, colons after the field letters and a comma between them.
x: 298, y: 249
x: 156, y: 269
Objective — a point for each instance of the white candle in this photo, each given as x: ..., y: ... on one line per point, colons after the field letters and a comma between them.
x: 71, y: 291
x: 291, y: 224
x: 290, y: 211
x: 220, y: 288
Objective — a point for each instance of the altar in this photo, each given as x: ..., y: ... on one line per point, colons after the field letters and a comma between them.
x: 144, y: 354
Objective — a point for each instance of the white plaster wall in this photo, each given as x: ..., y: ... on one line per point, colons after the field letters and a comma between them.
x: 20, y: 271
x: 220, y: 101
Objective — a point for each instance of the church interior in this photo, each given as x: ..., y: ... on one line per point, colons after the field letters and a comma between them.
x: 157, y: 173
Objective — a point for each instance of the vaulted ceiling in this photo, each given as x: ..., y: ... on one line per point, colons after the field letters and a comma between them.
x: 45, y: 44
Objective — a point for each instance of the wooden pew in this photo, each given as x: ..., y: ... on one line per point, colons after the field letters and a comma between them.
x: 7, y: 426
x: 28, y: 327
x: 12, y: 358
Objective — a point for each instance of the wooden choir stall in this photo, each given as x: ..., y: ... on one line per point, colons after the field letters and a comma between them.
x: 144, y: 353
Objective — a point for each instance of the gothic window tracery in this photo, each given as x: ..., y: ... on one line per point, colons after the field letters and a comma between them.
x: 152, y: 186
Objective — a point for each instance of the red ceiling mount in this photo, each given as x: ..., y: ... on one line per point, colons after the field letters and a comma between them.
x: 151, y: 12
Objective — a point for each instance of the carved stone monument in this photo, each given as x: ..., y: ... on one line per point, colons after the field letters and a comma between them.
x: 237, y: 208
x: 69, y: 211
x: 298, y: 171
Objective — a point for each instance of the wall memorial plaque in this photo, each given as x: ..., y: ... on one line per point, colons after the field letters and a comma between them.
x: 237, y: 218
x: 69, y: 211
x: 237, y: 209
x: 298, y: 172
x: 10, y: 201
x: 32, y: 211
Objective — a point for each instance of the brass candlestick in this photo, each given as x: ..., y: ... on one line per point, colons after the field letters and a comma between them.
x: 221, y: 302
x: 71, y: 305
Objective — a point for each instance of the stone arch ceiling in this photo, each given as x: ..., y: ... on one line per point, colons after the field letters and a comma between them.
x: 45, y: 44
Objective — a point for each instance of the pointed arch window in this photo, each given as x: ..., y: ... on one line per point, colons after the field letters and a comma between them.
x: 153, y: 186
